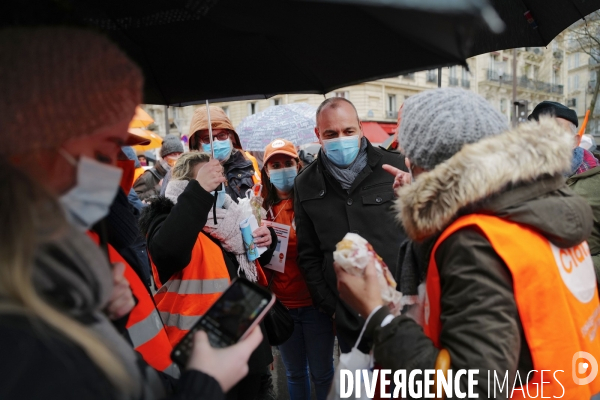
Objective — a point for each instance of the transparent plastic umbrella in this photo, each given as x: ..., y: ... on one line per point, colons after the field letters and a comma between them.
x: 294, y: 122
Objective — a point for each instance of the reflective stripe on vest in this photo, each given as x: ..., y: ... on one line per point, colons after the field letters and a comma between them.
x: 144, y: 325
x: 182, y: 322
x: 195, y: 286
x: 190, y: 292
x: 556, y: 296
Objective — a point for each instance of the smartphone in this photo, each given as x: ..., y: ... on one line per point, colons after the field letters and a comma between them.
x: 239, y: 309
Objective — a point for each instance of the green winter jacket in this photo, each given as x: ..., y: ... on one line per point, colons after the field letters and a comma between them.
x: 587, y: 185
x: 517, y: 176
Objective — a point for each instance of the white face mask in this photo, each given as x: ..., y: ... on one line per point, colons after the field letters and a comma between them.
x: 90, y: 199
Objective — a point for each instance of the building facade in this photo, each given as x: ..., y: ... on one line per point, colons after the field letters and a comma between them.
x: 543, y: 73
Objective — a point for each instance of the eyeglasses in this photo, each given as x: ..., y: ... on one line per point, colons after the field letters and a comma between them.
x: 219, y: 136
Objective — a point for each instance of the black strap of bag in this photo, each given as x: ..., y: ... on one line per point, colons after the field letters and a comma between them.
x: 279, y: 324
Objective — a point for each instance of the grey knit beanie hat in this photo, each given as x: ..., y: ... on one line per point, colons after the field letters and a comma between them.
x: 437, y: 123
x: 171, y: 144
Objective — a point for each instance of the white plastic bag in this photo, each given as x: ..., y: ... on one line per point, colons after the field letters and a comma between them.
x: 353, y: 361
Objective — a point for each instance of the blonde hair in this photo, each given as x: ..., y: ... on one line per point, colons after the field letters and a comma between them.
x: 24, y: 205
x: 185, y: 164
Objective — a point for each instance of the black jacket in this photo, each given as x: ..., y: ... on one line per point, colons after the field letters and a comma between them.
x: 324, y: 213
x: 123, y: 234
x: 171, y: 232
x: 147, y: 185
x: 239, y: 172
x: 39, y: 363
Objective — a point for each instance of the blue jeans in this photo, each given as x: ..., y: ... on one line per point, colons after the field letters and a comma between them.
x: 309, y: 348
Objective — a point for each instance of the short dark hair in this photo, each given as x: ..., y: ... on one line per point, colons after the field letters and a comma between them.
x: 334, y: 102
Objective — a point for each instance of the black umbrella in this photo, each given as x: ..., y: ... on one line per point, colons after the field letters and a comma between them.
x: 192, y: 50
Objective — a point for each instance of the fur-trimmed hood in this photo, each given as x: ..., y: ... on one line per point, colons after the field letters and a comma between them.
x: 480, y: 171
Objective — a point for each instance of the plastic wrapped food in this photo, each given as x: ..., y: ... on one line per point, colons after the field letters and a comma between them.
x: 353, y: 253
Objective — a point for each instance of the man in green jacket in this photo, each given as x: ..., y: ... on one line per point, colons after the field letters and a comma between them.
x: 584, y: 177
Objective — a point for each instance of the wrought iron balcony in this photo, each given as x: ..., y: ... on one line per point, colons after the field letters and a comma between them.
x: 495, y: 76
x: 540, y: 86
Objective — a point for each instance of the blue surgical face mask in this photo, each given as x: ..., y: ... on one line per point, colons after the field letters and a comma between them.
x: 90, y: 199
x: 220, y: 197
x: 342, y: 151
x: 222, y: 149
x: 283, y: 179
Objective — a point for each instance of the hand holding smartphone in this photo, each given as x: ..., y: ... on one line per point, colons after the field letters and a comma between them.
x: 228, y: 365
x: 240, y: 308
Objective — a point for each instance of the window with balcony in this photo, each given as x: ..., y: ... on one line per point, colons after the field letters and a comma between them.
x: 432, y: 75
x: 556, y: 77
x: 252, y: 108
x: 392, y: 108
x: 494, y: 59
x: 452, y: 79
x: 464, y: 80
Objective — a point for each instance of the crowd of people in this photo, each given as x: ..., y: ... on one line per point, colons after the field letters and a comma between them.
x: 491, y: 233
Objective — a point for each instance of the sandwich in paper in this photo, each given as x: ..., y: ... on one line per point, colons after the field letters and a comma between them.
x: 353, y: 253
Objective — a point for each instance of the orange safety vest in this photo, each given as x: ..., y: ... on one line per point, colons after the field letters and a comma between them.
x: 189, y: 293
x: 144, y: 324
x: 556, y: 296
x: 256, y: 177
x: 137, y: 173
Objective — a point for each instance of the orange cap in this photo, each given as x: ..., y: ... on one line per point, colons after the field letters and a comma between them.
x: 279, y: 146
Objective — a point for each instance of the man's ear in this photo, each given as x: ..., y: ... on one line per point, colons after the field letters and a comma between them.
x: 362, y: 134
x: 318, y: 135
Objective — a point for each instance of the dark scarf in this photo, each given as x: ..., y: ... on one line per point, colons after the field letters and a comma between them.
x: 346, y: 176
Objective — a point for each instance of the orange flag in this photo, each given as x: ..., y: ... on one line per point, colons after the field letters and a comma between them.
x: 585, y: 121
